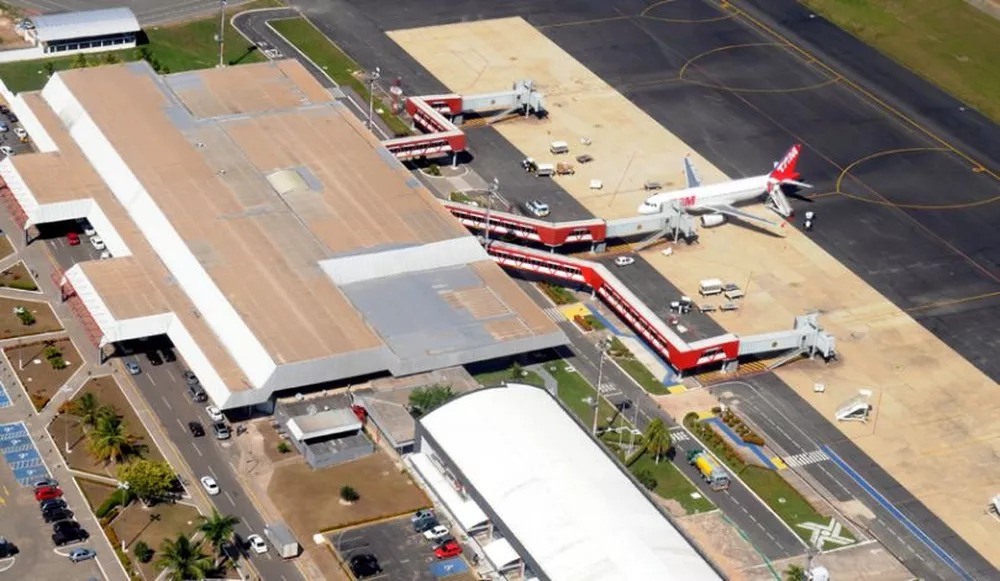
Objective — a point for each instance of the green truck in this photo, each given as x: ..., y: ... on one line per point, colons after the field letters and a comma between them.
x: 710, y: 469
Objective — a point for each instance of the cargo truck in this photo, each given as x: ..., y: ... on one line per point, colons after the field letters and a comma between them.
x: 282, y: 539
x: 714, y: 474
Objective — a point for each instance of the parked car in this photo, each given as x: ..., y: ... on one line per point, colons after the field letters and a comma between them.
x: 154, y: 358
x: 45, y: 482
x: 537, y: 208
x: 190, y: 378
x: 12, y: 117
x: 6, y: 150
x: 52, y: 503
x: 624, y: 261
x: 214, y: 413
x: 421, y: 515
x: 73, y: 239
x: 196, y: 429
x: 48, y: 493
x: 210, y: 485
x: 105, y: 254
x: 197, y: 394
x: 448, y: 550
x: 438, y: 532
x: 67, y: 532
x: 57, y: 514
x: 257, y: 544
x: 168, y: 355
x: 365, y: 565
x: 425, y: 524
x: 82, y: 554
x: 221, y: 431
x: 132, y: 367
x: 21, y: 133
x: 88, y: 230
x: 97, y: 242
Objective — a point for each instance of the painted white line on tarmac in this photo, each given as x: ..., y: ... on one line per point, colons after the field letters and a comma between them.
x: 167, y: 403
x: 231, y: 501
x: 196, y: 449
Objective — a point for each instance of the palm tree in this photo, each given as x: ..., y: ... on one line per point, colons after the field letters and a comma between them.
x: 218, y: 529
x: 111, y: 441
x: 87, y: 408
x: 183, y: 559
x: 657, y: 438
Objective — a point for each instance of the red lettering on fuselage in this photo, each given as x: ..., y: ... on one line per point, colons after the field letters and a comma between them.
x: 688, y: 201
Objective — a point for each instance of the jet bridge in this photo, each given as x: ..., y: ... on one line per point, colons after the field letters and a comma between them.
x: 653, y: 227
x: 807, y: 338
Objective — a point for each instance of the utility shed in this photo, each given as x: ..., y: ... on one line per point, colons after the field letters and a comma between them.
x: 559, y: 500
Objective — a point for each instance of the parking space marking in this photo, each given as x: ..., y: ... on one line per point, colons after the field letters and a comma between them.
x: 231, y: 501
x: 21, y: 454
x: 197, y: 450
x: 167, y: 403
x: 4, y: 398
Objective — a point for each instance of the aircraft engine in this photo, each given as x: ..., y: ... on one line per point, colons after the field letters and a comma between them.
x: 710, y: 220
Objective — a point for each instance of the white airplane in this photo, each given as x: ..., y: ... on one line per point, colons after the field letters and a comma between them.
x: 716, y: 200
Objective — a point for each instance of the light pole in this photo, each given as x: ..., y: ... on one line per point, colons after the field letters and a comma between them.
x: 493, y: 191
x: 597, y: 396
x: 221, y: 37
x: 372, y: 77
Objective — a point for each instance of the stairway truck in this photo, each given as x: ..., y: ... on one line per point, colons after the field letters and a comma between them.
x: 282, y: 539
x: 565, y: 169
x: 711, y: 471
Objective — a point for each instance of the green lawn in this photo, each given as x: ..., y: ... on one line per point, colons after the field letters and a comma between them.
x: 314, y: 44
x: 175, y: 48
x: 948, y: 42
x: 559, y: 295
x: 575, y: 391
x: 783, y: 499
x: 497, y: 377
x: 641, y: 374
x: 670, y: 483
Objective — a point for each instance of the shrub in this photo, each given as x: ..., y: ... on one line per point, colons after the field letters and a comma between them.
x: 717, y: 410
x: 283, y: 447
x: 51, y: 352
x: 142, y: 552
x: 58, y: 363
x: 348, y: 494
x: 120, y: 497
x: 690, y: 418
x: 434, y: 170
x: 27, y: 319
x: 39, y: 400
x: 753, y: 439
x: 646, y: 478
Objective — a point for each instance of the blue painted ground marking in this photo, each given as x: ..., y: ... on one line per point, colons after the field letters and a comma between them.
x: 4, y: 398
x: 607, y: 323
x: 906, y: 522
x: 670, y: 378
x: 449, y: 567
x: 21, y: 454
x: 739, y: 442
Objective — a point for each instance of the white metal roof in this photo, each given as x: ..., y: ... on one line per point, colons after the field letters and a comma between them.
x: 564, y: 500
x: 500, y: 553
x: 465, y: 510
x: 324, y: 423
x: 70, y: 25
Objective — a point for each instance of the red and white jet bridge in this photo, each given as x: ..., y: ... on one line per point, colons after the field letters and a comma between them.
x: 436, y: 117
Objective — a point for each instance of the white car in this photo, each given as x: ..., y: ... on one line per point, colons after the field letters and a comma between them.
x: 210, y: 485
x: 257, y: 544
x: 20, y: 132
x: 105, y: 254
x: 6, y: 150
x: 88, y: 230
x: 438, y: 532
x: 624, y: 260
x: 214, y: 413
x: 97, y: 242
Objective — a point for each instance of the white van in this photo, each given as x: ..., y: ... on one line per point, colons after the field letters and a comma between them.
x: 710, y: 286
x: 558, y: 147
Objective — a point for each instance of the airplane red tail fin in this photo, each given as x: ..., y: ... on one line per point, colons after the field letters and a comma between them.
x: 785, y: 169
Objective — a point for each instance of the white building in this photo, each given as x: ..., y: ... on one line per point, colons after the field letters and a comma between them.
x: 79, y: 32
x: 255, y: 222
x: 512, y: 462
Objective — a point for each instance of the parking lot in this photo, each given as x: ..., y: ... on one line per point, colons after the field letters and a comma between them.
x: 56, y: 236
x: 21, y: 523
x: 8, y: 138
x: 402, y: 553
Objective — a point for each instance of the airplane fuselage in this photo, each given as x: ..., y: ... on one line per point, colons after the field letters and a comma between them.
x: 703, y: 197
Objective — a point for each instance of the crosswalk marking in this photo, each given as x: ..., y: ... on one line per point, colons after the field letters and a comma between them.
x: 805, y: 458
x: 679, y: 436
x: 555, y: 314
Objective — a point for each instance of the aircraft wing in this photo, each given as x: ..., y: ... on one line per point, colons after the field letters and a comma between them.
x: 741, y: 215
x: 690, y: 174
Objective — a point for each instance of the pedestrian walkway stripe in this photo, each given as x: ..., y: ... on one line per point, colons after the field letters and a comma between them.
x: 895, y: 512
x: 4, y: 398
x: 679, y: 436
x: 554, y: 314
x: 796, y: 460
x: 21, y: 454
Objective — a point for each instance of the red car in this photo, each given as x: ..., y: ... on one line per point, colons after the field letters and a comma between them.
x: 73, y: 238
x: 447, y: 550
x: 47, y: 493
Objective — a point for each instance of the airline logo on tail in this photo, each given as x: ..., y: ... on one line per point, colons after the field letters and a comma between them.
x: 785, y: 169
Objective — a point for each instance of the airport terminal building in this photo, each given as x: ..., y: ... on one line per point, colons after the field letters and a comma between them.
x: 249, y: 217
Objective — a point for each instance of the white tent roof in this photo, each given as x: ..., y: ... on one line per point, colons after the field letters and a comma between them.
x: 500, y: 553
x: 72, y: 25
x: 465, y: 510
x: 564, y: 500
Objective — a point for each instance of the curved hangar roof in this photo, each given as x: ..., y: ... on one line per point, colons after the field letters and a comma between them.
x: 558, y: 494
